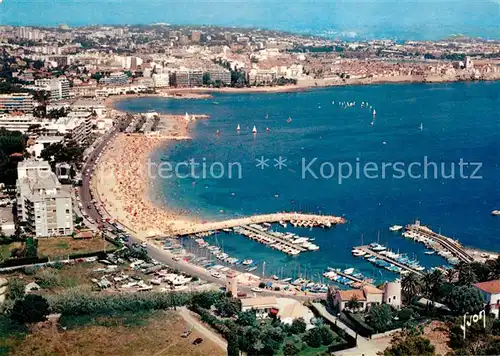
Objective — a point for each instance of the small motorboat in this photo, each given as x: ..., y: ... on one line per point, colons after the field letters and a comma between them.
x: 495, y: 213
x: 429, y: 252
x: 218, y: 133
x: 289, y: 120
x: 238, y: 128
x: 349, y: 270
x: 254, y: 130
x: 394, y: 228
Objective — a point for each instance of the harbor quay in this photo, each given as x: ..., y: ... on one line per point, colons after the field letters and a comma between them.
x: 309, y: 219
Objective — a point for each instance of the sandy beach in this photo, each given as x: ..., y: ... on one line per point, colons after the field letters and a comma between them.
x: 122, y: 183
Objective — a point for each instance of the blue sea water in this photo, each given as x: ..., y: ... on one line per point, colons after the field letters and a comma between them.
x: 459, y: 120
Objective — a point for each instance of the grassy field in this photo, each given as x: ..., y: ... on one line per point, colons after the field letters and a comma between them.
x: 64, y: 246
x: 158, y: 333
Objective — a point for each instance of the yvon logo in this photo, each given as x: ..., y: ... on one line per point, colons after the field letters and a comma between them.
x: 473, y: 319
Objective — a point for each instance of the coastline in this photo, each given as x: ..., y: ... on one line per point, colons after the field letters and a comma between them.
x: 302, y: 85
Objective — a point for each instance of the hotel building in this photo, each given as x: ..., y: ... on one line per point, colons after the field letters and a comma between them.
x: 44, y: 207
x: 16, y: 102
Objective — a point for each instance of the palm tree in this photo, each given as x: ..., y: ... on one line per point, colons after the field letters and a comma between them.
x: 450, y: 275
x: 411, y: 285
x: 466, y: 275
x: 353, y: 304
x: 431, y: 283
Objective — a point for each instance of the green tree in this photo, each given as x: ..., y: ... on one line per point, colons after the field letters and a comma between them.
x: 464, y: 299
x: 481, y: 270
x: 291, y: 349
x: 494, y: 266
x: 228, y: 307
x: 380, y: 317
x: 326, y: 334
x: 466, y: 275
x: 313, y: 338
x: 16, y: 289
x: 431, y: 282
x: 33, y: 308
x: 298, y: 326
x: 410, y: 346
x: 205, y: 300
x: 206, y: 79
x: 353, y: 304
x: 247, y: 318
x: 450, y: 275
x: 233, y: 348
x: 411, y: 285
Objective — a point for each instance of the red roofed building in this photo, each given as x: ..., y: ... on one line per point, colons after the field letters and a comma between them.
x: 490, y: 291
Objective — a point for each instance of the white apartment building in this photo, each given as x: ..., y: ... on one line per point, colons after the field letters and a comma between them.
x: 16, y: 102
x: 21, y: 122
x: 43, y: 205
x: 161, y: 80
x: 77, y: 126
x: 59, y: 88
x: 41, y: 143
x: 118, y: 78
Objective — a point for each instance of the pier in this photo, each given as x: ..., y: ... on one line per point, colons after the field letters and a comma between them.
x: 387, y: 259
x: 445, y: 242
x: 311, y: 219
x: 247, y: 230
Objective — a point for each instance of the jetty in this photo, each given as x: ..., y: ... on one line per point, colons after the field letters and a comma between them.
x: 388, y: 259
x: 269, y: 239
x: 445, y: 243
x: 306, y: 219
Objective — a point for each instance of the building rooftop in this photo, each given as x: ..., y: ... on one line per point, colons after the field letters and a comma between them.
x: 259, y: 301
x: 369, y: 289
x: 347, y: 295
x: 492, y: 287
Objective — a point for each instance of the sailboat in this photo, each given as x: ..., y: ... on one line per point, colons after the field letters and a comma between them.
x: 238, y: 128
x: 267, y: 116
x: 421, y: 126
x: 254, y: 130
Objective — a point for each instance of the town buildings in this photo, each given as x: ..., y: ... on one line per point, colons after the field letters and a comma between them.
x: 16, y: 102
x: 43, y: 205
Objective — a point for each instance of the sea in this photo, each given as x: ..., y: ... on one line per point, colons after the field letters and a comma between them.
x: 439, y: 144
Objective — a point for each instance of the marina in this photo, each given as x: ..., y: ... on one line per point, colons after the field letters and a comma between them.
x: 386, y: 259
x: 287, y: 243
x: 347, y: 277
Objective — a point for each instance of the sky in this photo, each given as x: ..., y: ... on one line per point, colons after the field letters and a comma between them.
x: 397, y: 19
